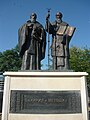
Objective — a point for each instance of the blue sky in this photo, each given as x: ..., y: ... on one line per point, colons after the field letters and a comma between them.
x: 14, y: 13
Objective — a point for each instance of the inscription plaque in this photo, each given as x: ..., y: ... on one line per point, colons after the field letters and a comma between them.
x: 45, y: 102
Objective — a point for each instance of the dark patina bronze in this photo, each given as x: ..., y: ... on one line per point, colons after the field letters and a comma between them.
x: 61, y: 35
x: 32, y: 44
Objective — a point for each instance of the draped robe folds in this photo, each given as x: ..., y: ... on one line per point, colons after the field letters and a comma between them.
x: 32, y: 45
x: 60, y: 44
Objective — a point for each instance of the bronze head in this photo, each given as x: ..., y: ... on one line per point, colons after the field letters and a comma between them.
x: 59, y: 15
x: 33, y: 17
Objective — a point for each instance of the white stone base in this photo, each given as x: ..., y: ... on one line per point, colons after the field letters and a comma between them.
x: 45, y: 81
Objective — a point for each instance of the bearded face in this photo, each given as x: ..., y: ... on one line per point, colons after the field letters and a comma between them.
x: 58, y: 16
x: 33, y: 17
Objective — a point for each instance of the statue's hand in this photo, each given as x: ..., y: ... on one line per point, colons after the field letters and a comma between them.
x: 47, y: 17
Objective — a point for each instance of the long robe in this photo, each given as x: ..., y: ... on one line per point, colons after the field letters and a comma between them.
x: 32, y: 45
x: 60, y: 44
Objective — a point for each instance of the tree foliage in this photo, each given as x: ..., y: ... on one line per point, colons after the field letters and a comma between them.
x: 80, y: 61
x: 10, y: 60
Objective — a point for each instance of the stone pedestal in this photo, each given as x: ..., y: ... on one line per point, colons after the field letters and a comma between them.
x: 45, y: 96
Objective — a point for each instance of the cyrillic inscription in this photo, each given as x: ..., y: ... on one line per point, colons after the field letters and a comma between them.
x: 45, y: 102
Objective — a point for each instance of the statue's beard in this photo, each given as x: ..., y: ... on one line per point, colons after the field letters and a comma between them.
x: 33, y: 20
x: 58, y: 20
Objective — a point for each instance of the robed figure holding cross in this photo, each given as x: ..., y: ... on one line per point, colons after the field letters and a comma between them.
x: 61, y: 36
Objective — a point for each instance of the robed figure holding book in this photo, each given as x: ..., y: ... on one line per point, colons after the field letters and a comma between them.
x: 32, y: 44
x: 61, y: 35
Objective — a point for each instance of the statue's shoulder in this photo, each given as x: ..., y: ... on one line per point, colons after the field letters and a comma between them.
x: 28, y: 22
x: 64, y: 23
x: 23, y: 26
x: 39, y: 24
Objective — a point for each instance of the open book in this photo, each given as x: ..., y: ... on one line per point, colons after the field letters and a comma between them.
x: 68, y: 30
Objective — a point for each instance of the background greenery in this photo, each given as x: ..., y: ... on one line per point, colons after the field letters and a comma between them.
x: 79, y: 61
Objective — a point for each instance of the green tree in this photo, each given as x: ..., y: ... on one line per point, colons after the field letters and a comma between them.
x: 10, y: 60
x: 80, y: 61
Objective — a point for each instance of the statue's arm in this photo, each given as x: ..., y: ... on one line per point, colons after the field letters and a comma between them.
x: 22, y: 39
x: 43, y: 44
x: 49, y: 27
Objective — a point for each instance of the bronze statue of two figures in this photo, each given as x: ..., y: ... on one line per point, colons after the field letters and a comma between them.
x: 32, y: 43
